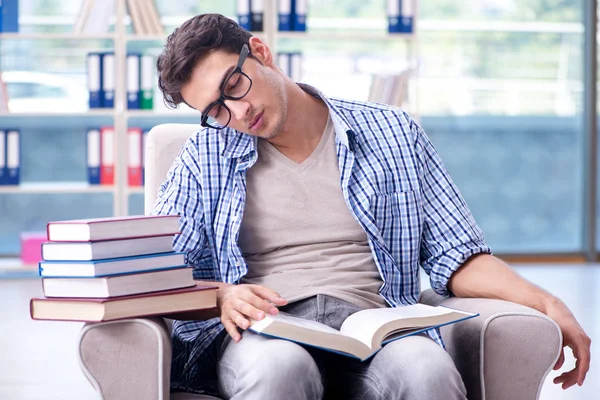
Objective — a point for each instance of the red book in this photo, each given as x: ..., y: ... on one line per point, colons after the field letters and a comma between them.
x: 112, y: 228
x: 167, y: 302
x: 134, y: 162
x: 107, y: 155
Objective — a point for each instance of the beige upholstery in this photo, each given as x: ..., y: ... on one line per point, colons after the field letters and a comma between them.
x: 504, y: 354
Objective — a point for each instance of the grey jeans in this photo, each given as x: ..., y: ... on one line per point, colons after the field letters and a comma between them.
x: 261, y: 368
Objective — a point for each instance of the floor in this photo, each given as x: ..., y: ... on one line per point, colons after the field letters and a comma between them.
x: 38, y: 359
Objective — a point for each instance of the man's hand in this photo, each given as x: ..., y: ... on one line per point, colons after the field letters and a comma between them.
x: 239, y: 303
x: 576, y: 339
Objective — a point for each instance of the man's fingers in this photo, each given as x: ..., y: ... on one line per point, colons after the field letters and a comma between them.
x: 581, y: 351
x: 260, y: 306
x: 269, y: 295
x: 249, y: 310
x: 561, y: 360
x: 231, y: 329
x: 567, y: 379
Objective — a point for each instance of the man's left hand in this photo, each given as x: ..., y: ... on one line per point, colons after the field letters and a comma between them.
x: 573, y: 337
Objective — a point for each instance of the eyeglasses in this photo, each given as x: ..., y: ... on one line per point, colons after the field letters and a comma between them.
x: 237, y: 85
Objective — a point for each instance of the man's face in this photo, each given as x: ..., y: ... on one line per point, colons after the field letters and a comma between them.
x: 262, y: 112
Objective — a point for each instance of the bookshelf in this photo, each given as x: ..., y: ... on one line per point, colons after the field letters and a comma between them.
x: 120, y: 199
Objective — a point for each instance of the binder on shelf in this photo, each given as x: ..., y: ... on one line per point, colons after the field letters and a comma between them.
x: 147, y: 82
x: 93, y: 156
x: 243, y: 12
x: 283, y: 61
x: 3, y: 168
x: 284, y: 12
x: 13, y: 156
x: 94, y: 79
x: 407, y: 16
x: 257, y: 10
x: 401, y: 16
x: 107, y: 155
x: 299, y: 11
x: 108, y: 80
x: 144, y: 141
x: 296, y: 66
x: 133, y: 81
x: 134, y: 161
x: 1, y: 17
x: 10, y: 16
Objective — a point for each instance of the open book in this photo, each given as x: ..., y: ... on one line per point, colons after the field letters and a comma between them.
x: 363, y: 333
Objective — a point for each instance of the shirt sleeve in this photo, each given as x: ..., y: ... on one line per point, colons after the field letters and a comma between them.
x: 180, y: 194
x: 450, y: 234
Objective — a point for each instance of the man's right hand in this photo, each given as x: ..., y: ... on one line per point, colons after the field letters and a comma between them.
x: 240, y: 303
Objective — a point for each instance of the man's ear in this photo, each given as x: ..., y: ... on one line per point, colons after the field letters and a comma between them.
x: 260, y: 51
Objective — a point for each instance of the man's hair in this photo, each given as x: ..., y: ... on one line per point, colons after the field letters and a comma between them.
x: 193, y: 40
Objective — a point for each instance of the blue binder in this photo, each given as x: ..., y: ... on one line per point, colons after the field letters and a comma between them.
x: 285, y: 15
x: 108, y: 80
x: 10, y: 16
x: 243, y: 12
x: 94, y: 79
x: 133, y: 81
x: 299, y: 11
x: 3, y: 168
x: 257, y: 10
x: 407, y: 16
x: 1, y: 18
x: 93, y: 156
x: 13, y: 156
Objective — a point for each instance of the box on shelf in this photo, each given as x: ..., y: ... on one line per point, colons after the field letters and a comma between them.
x: 31, y: 247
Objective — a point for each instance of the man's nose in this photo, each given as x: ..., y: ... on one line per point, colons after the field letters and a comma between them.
x: 239, y: 108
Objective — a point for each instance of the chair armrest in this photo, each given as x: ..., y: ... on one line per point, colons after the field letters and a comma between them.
x: 129, y: 358
x: 503, y: 354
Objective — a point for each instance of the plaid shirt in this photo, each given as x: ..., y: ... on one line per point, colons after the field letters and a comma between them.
x: 394, y: 184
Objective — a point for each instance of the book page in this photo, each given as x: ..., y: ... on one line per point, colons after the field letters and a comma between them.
x: 364, y: 324
x: 261, y: 325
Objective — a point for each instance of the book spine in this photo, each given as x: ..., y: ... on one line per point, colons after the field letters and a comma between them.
x: 407, y: 16
x: 93, y: 156
x: 393, y: 15
x: 285, y: 15
x: 107, y: 156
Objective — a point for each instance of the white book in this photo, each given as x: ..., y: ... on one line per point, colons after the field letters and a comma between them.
x: 363, y: 333
x: 119, y: 285
x: 88, y: 251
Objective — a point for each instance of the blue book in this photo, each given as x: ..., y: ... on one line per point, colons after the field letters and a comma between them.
x: 13, y: 156
x: 299, y: 11
x: 243, y: 12
x: 108, y: 80
x: 133, y: 81
x: 94, y: 79
x: 10, y: 16
x: 93, y: 156
x: 3, y: 169
x: 112, y: 266
x: 285, y: 15
x: 363, y: 333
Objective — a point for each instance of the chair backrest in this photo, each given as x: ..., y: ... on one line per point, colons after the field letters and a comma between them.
x: 162, y: 146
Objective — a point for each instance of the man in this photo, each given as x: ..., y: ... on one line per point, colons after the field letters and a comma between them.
x: 320, y: 207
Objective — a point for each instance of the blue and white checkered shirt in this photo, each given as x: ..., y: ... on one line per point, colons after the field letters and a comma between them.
x: 394, y: 184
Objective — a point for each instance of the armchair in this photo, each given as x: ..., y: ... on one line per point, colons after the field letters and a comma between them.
x: 503, y: 354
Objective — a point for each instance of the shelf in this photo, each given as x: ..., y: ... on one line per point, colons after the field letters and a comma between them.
x: 54, y: 36
x: 163, y: 113
x: 91, y: 113
x: 55, y: 187
x: 357, y: 35
x: 135, y: 190
x: 13, y: 268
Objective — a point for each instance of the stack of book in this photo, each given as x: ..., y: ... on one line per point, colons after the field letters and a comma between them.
x: 112, y: 268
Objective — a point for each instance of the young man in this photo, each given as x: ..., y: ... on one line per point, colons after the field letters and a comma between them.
x: 320, y: 207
